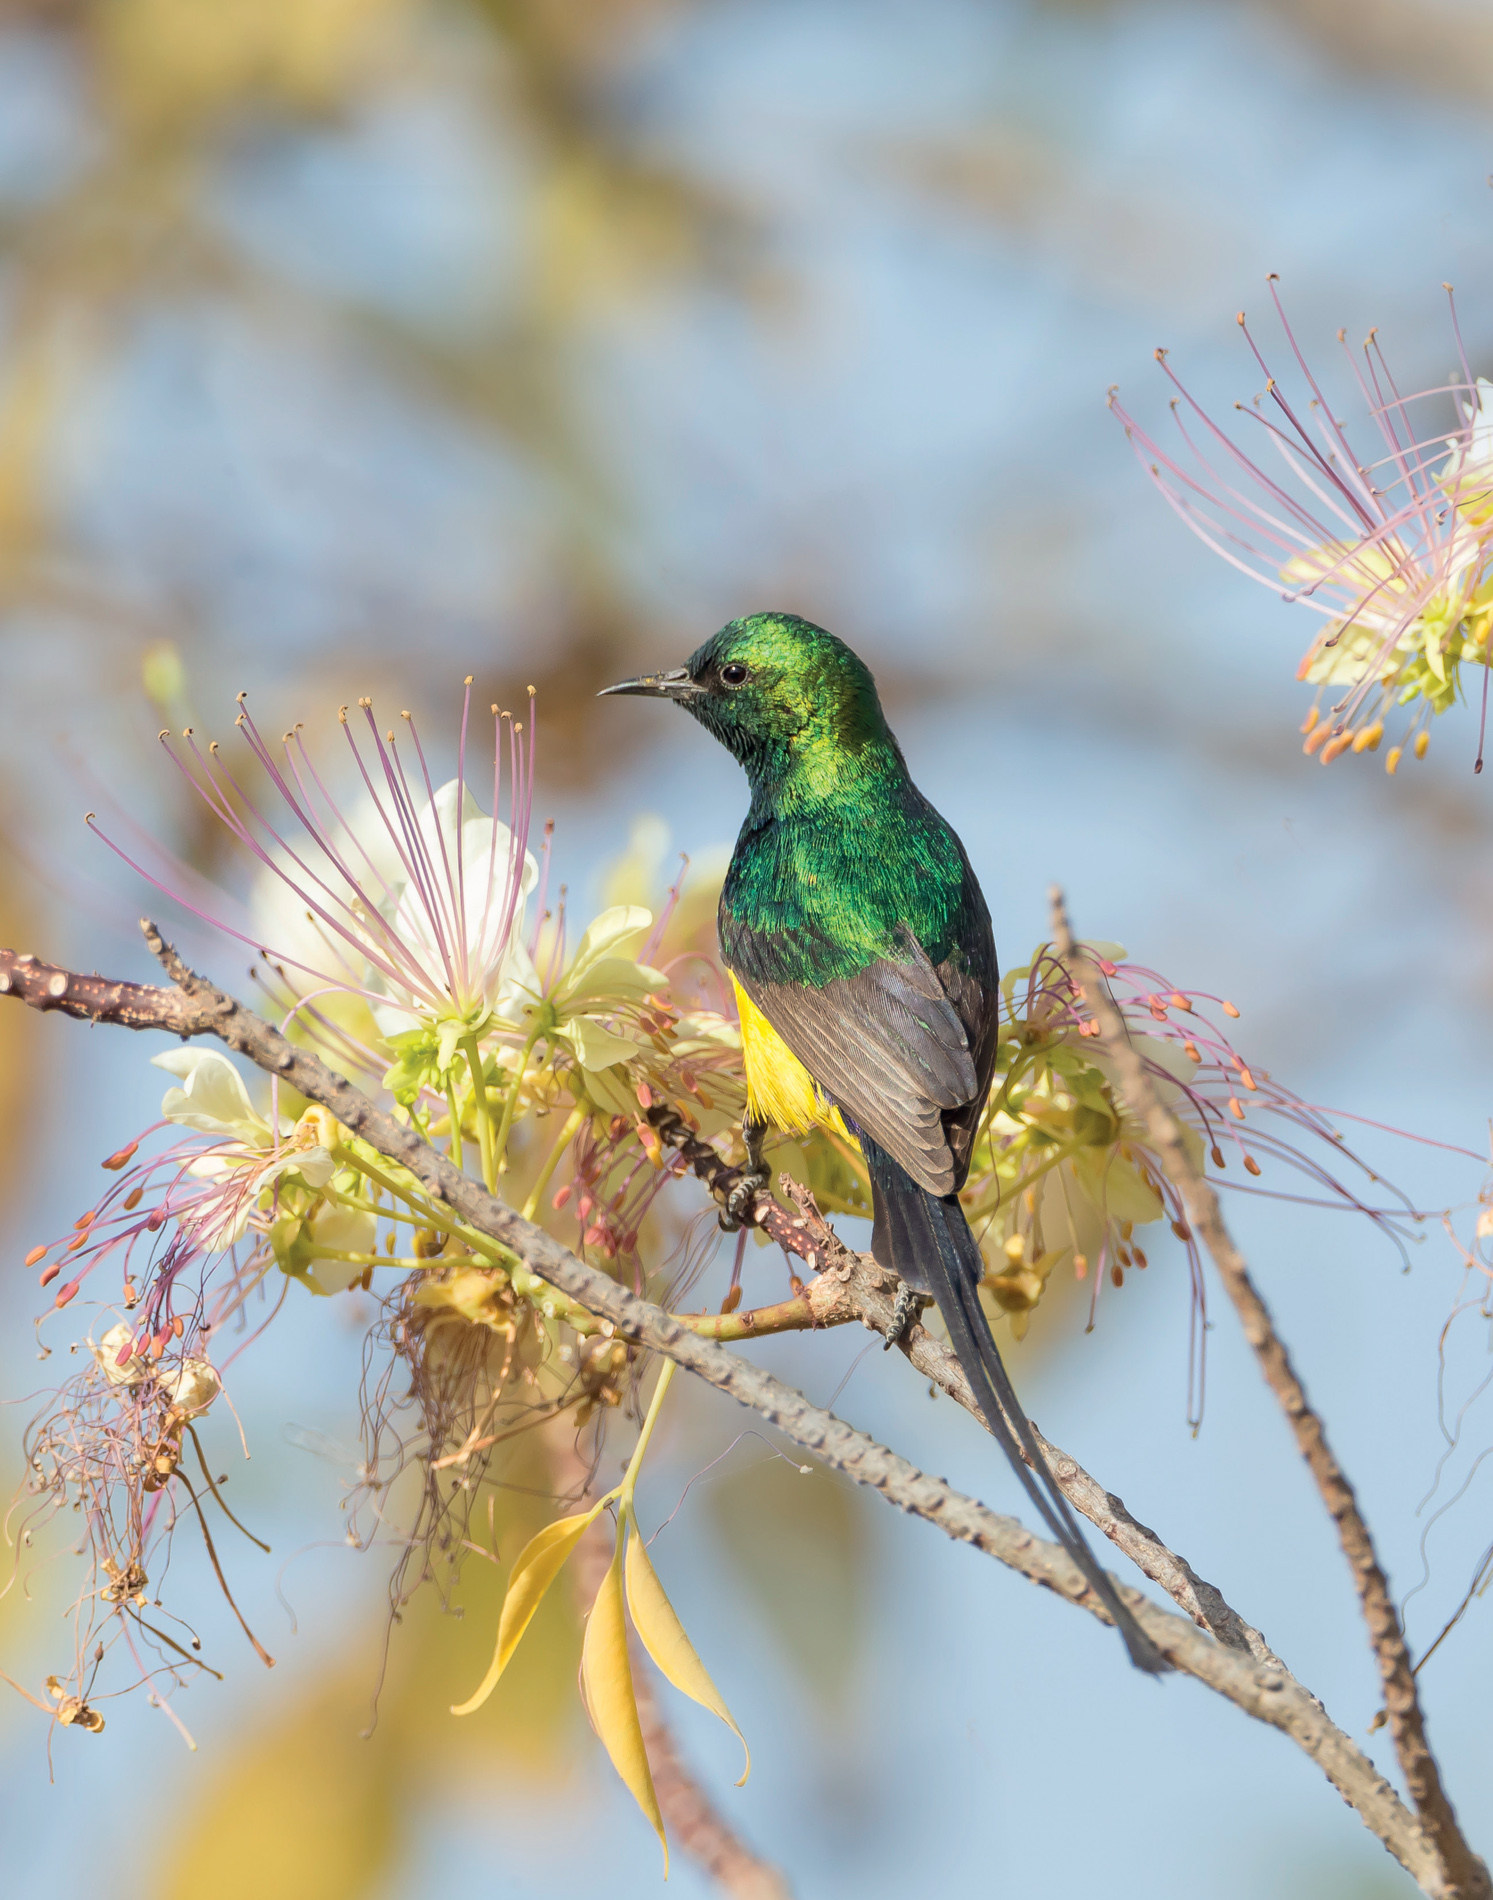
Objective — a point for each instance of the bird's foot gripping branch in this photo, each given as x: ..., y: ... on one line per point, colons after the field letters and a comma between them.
x: 495, y: 1136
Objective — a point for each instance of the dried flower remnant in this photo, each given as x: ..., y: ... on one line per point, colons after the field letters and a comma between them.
x: 1394, y: 549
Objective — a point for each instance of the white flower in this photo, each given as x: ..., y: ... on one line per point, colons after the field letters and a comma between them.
x: 1473, y: 449
x: 212, y: 1098
x: 214, y: 1101
x: 410, y: 900
x: 456, y: 906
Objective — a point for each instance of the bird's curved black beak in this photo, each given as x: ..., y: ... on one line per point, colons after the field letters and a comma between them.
x: 673, y: 685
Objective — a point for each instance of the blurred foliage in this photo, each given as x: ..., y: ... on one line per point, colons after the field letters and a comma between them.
x: 800, y: 1547
x: 130, y: 244
x: 311, y: 1806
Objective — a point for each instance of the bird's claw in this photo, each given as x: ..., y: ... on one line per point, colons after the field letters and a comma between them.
x: 736, y: 1212
x: 906, y: 1309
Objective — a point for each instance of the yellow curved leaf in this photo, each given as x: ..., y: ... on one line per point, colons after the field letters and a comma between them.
x: 606, y: 1685
x: 655, y: 1620
x: 534, y: 1570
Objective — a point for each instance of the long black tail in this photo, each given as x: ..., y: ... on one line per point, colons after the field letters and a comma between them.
x: 927, y: 1240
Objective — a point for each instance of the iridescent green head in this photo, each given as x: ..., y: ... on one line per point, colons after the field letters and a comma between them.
x: 776, y: 691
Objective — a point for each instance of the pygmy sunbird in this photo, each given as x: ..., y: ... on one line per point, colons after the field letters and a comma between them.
x: 864, y: 963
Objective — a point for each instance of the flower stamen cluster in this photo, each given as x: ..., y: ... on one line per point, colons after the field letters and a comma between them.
x: 1393, y: 548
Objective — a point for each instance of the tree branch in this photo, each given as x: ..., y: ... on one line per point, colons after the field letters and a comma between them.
x: 1264, y: 1690
x: 1467, y: 1875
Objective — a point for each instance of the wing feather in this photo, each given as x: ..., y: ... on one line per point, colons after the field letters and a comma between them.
x: 887, y: 1046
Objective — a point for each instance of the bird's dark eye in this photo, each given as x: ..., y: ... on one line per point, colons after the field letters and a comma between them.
x: 734, y: 674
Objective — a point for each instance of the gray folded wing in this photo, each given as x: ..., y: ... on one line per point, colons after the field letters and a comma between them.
x: 887, y: 1047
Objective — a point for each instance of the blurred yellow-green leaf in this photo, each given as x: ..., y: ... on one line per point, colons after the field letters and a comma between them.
x: 534, y: 1570
x: 606, y: 1683
x: 664, y: 1638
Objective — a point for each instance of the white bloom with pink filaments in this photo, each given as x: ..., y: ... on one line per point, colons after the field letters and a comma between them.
x: 1394, y: 550
x: 247, y: 1160
x: 413, y: 901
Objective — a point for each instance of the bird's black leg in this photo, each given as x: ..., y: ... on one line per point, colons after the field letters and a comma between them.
x: 751, y: 1181
x: 907, y: 1308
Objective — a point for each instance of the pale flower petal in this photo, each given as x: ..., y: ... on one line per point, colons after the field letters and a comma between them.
x: 464, y: 941
x: 607, y: 933
x: 347, y: 1230
x: 212, y: 1098
x: 596, y: 1047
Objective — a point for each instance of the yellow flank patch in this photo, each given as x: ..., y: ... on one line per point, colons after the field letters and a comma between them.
x: 780, y: 1090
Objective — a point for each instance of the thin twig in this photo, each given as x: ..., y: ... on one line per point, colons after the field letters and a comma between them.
x: 218, y: 1495
x: 1466, y: 1874
x: 1268, y: 1693
x: 259, y: 1649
